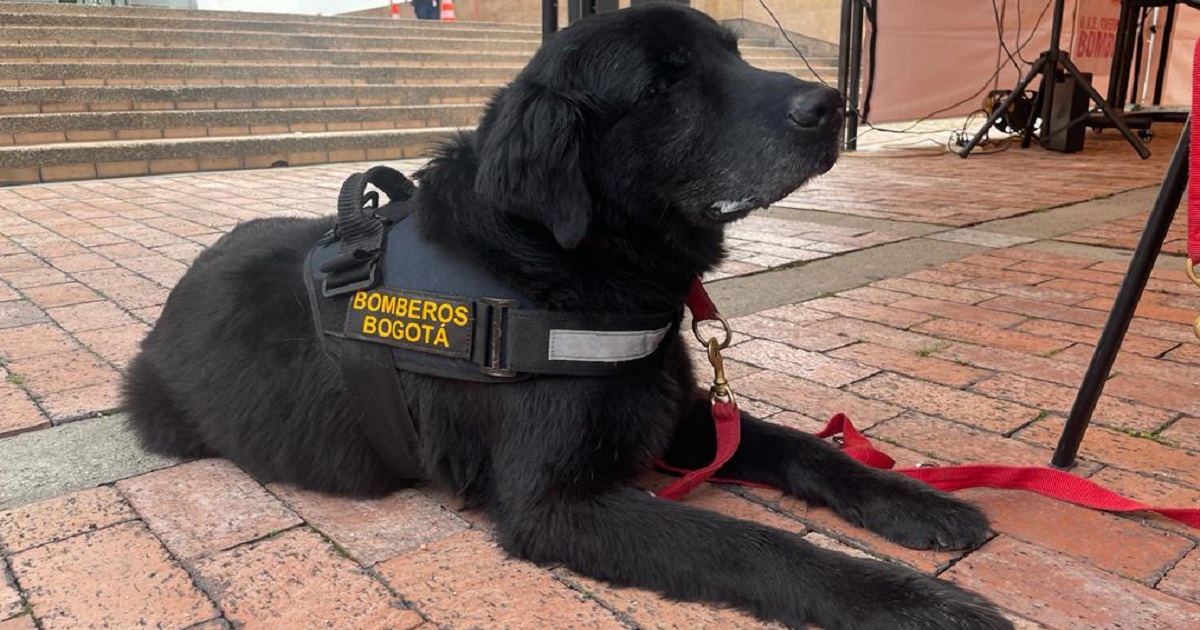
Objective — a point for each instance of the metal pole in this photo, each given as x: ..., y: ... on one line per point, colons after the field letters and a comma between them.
x: 848, y: 131
x: 549, y: 18
x: 1173, y: 186
x: 855, y: 63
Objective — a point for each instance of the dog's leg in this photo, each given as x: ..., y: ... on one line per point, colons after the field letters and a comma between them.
x: 894, y: 506
x: 630, y: 538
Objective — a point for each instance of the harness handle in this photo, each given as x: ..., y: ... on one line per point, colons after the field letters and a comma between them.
x: 361, y: 233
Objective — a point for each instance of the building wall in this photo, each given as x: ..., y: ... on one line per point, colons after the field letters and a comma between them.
x: 819, y: 19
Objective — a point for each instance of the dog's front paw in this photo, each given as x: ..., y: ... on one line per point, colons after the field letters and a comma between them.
x: 919, y: 517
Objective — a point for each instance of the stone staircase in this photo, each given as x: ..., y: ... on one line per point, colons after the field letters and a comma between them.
x: 89, y: 92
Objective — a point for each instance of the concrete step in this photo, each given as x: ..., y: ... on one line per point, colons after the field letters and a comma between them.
x: 449, y: 40
x: 200, y: 21
x: 77, y: 9
x: 171, y: 73
x: 88, y: 160
x: 33, y: 129
x: 75, y: 53
x: 32, y: 100
x: 100, y: 73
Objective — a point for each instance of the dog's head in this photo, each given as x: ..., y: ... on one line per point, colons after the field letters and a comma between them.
x: 650, y: 116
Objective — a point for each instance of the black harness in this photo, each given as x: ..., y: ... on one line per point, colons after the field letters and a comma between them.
x: 385, y: 299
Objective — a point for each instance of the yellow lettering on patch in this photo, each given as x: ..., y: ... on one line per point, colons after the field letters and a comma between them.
x: 429, y: 322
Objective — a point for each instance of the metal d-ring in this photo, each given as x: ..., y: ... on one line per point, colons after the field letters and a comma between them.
x: 724, y: 324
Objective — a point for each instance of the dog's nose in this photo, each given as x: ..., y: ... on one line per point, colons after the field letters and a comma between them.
x: 815, y: 108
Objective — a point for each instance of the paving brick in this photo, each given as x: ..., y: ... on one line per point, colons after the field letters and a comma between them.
x: 988, y: 413
x: 958, y: 443
x: 1183, y: 580
x: 81, y: 262
x: 797, y: 313
x: 874, y: 295
x: 1154, y: 391
x: 54, y: 373
x: 1046, y: 310
x: 10, y: 598
x: 1051, y: 397
x: 91, y: 316
x: 934, y: 291
x: 653, y: 611
x: 1061, y: 592
x: 16, y: 313
x: 297, y: 580
x: 957, y: 311
x: 65, y: 294
x: 373, y: 530
x: 62, y: 517
x: 1138, y: 344
x: 814, y: 400
x: 18, y: 413
x: 24, y: 622
x: 1122, y: 450
x: 205, y: 506
x: 813, y: 366
x: 858, y: 330
x: 991, y: 336
x: 791, y: 333
x: 80, y: 403
x: 889, y: 315
x: 1043, y: 292
x: 466, y: 581
x: 115, y: 577
x: 118, y: 345
x: 1103, y: 540
x: 1054, y: 371
x: 915, y: 364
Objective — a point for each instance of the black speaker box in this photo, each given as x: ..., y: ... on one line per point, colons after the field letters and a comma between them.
x: 1070, y: 104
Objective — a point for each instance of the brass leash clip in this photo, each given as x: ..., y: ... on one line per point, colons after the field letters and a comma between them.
x: 720, y: 391
x: 1191, y: 273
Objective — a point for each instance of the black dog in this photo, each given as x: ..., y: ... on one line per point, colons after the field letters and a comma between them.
x: 599, y: 181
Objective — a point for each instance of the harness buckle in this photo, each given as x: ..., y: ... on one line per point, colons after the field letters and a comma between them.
x: 492, y: 367
x: 342, y: 266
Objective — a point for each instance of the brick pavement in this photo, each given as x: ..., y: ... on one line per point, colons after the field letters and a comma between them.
x: 973, y: 360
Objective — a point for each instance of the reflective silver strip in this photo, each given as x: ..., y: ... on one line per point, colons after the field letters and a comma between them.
x: 604, y: 345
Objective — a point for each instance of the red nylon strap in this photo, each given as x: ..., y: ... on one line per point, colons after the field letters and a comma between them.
x: 1193, y: 197
x: 1047, y: 482
x: 727, y: 419
x: 699, y: 303
x: 728, y: 423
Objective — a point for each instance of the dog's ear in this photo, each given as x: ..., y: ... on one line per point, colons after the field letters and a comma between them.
x: 529, y: 159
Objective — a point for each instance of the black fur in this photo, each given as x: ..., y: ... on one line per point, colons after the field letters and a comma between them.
x: 590, y: 185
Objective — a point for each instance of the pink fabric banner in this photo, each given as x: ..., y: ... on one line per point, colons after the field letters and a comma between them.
x: 943, y: 54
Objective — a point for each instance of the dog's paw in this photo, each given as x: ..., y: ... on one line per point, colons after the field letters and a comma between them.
x: 920, y: 518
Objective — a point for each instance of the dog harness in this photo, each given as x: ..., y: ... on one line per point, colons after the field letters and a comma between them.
x: 384, y: 298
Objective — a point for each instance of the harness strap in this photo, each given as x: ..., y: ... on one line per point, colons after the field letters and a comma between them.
x: 373, y: 384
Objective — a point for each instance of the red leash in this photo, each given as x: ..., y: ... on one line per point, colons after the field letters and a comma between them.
x: 1048, y: 482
